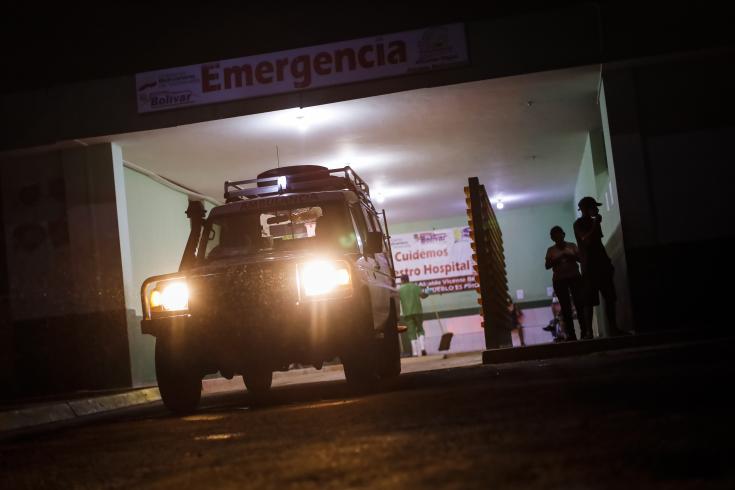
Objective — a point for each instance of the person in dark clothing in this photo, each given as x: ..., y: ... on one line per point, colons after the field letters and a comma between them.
x: 516, y: 317
x: 597, y: 269
x: 562, y: 257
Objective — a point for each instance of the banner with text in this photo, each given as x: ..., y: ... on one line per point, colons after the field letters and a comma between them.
x: 440, y: 260
x: 370, y: 58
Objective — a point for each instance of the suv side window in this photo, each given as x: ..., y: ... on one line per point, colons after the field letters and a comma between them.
x: 374, y: 222
x: 359, y: 221
x: 375, y: 225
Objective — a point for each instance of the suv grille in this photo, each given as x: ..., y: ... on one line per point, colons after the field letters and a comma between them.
x: 245, y: 295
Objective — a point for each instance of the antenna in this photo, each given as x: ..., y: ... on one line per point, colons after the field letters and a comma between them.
x: 278, y: 158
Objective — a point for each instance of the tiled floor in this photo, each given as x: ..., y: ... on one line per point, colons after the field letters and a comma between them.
x: 469, y: 335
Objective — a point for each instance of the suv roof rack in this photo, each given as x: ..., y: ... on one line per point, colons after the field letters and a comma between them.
x: 314, y: 179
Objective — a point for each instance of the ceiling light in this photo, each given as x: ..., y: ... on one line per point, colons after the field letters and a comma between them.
x: 379, y: 197
x: 301, y: 121
x: 499, y: 203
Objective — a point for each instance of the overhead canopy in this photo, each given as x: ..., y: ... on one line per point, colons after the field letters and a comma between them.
x: 522, y: 136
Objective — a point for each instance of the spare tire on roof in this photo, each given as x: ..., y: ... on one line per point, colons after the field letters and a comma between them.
x: 304, y: 178
x: 294, y: 173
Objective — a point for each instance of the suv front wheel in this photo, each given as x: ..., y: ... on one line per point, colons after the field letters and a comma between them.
x: 179, y: 384
x: 389, y: 349
x: 258, y: 381
x: 369, y: 359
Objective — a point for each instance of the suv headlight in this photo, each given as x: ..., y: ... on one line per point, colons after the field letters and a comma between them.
x: 325, y: 278
x: 170, y: 296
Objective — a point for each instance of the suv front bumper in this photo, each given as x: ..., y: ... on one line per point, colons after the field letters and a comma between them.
x: 301, y: 331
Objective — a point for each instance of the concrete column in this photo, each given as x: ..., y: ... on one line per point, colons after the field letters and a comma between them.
x: 141, y: 347
x: 615, y: 243
x: 631, y: 187
x: 67, y: 298
x: 671, y: 132
x: 7, y: 360
x: 628, y: 154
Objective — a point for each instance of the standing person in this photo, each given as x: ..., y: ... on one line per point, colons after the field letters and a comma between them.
x: 597, y: 269
x: 516, y: 317
x: 411, y: 295
x: 562, y: 258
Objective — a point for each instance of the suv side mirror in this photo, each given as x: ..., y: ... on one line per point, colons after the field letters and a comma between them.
x: 374, y: 243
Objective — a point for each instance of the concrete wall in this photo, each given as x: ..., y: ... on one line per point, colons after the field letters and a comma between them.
x: 671, y: 133
x: 81, y: 233
x: 596, y: 178
x: 65, y: 298
x: 586, y: 184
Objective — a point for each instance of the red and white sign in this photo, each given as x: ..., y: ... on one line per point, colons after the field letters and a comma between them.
x: 440, y: 260
x: 391, y: 55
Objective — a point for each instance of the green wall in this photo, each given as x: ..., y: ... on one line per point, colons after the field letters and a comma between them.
x: 158, y: 230
x: 525, y: 238
x: 594, y: 179
x: 158, y: 226
x: 586, y: 182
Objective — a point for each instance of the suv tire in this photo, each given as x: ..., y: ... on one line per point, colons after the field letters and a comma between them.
x: 390, y: 349
x: 258, y: 381
x: 362, y: 359
x: 360, y: 367
x: 180, y: 385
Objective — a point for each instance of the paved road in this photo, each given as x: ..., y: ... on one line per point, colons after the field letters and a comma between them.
x: 658, y: 418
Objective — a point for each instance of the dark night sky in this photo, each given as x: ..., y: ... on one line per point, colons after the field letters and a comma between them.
x: 45, y: 46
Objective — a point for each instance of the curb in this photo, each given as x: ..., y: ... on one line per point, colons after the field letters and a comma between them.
x: 584, y: 347
x: 33, y: 416
x: 23, y: 418
x: 60, y: 411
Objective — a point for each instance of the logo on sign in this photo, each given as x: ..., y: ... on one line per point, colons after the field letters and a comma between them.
x: 430, y: 237
x: 146, y: 86
x: 435, y: 46
x: 163, y: 99
x: 169, y: 90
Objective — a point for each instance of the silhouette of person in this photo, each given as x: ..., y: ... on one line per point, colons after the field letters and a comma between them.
x: 516, y: 318
x: 597, y: 269
x: 562, y: 258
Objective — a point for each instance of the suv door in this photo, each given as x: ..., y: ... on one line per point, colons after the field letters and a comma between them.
x: 366, y: 264
x: 384, y: 275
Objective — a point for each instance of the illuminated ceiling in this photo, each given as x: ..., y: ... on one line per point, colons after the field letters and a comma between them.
x: 522, y: 136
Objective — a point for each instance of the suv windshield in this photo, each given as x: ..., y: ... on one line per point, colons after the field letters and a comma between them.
x: 324, y: 226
